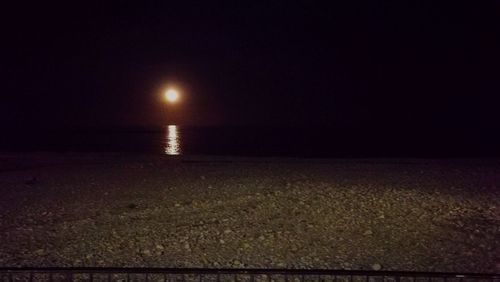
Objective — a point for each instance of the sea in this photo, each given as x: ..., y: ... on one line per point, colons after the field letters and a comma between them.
x: 254, y: 141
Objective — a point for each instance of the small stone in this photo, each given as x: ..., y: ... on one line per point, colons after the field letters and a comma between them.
x: 227, y: 231
x: 376, y: 266
x: 346, y: 266
x: 222, y: 241
x: 146, y: 252
x: 236, y: 262
x: 186, y: 246
x: 262, y: 238
x: 368, y: 232
x: 40, y: 252
x: 160, y: 247
x: 177, y: 204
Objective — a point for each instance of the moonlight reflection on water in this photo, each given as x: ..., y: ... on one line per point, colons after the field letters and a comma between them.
x: 172, y: 141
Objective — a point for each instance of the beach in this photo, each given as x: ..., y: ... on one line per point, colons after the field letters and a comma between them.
x: 200, y: 211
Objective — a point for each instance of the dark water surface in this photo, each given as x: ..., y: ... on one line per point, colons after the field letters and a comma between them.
x: 255, y: 141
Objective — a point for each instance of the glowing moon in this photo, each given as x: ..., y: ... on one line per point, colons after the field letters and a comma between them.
x: 172, y: 95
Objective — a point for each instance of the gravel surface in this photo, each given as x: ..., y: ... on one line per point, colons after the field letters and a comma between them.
x: 423, y: 215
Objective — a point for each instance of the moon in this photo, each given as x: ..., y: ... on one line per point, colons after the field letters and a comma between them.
x: 172, y: 95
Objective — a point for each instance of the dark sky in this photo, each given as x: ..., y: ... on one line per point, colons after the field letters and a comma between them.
x: 361, y: 65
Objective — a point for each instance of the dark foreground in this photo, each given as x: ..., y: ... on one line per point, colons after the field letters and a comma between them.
x: 112, y: 210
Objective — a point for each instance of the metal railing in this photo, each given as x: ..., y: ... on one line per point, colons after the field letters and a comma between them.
x: 106, y: 274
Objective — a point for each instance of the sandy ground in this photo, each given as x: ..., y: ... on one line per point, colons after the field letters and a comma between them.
x: 115, y: 210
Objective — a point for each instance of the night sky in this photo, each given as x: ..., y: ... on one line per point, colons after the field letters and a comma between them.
x: 364, y: 65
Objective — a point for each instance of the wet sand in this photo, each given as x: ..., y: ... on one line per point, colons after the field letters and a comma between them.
x: 119, y: 210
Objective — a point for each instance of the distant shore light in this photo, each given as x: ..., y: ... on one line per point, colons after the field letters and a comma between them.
x: 172, y: 95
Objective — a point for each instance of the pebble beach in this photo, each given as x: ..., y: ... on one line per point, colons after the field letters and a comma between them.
x: 119, y: 210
